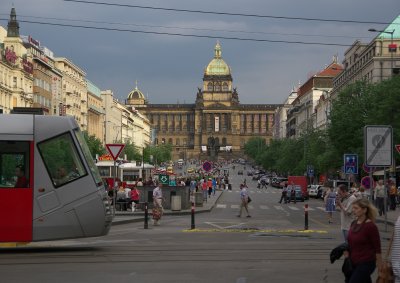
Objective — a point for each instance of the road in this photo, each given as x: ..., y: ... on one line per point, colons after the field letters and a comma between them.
x: 267, y: 247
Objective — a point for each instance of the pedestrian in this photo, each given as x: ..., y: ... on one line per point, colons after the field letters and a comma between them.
x: 135, y: 196
x: 330, y: 203
x: 395, y: 258
x: 291, y: 189
x: 284, y: 194
x: 244, y: 200
x: 364, y: 243
x: 210, y: 186
x: 380, y: 197
x: 157, y: 204
x: 214, y: 185
x: 345, y: 201
x: 392, y: 196
x: 204, y: 189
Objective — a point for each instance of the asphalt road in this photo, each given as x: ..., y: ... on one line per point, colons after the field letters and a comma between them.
x: 268, y: 247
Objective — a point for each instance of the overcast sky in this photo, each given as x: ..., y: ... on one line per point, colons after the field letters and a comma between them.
x: 170, y: 68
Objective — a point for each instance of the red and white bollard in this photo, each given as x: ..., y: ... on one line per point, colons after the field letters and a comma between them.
x: 192, y: 226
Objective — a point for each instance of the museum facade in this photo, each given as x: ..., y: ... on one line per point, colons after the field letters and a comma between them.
x: 217, y: 124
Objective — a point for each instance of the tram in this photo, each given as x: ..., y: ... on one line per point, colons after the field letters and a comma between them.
x: 128, y: 173
x: 50, y: 187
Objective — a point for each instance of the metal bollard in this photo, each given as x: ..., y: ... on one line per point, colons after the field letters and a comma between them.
x: 192, y: 226
x: 306, y: 217
x: 146, y: 215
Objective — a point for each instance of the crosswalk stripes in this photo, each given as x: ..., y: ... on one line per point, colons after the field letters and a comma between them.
x: 321, y: 208
x: 221, y: 206
x: 264, y: 207
x: 293, y: 208
x: 235, y: 206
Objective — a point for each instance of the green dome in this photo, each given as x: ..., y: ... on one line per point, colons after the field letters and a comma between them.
x: 217, y: 66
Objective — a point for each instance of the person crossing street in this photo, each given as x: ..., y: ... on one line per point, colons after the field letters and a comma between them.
x: 244, y: 200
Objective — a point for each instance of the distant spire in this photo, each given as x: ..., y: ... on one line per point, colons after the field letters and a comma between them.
x: 217, y: 51
x: 136, y: 84
x: 13, y: 25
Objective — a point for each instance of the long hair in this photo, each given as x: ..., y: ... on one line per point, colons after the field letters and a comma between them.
x: 372, y: 212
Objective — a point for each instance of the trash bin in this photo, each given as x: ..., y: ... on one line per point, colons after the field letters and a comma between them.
x: 176, y: 203
x: 198, y: 198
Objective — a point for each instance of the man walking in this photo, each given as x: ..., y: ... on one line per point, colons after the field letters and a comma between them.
x: 345, y: 201
x: 284, y: 194
x: 157, y: 204
x: 244, y: 198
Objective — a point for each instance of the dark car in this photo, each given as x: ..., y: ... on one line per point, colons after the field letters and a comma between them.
x: 240, y: 172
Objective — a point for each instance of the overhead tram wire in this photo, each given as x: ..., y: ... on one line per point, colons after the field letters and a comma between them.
x: 185, y: 35
x: 226, y: 13
x: 188, y: 28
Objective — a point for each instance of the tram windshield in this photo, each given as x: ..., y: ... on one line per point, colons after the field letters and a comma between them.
x: 62, y: 159
x: 88, y: 157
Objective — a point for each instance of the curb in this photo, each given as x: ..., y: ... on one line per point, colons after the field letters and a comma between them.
x: 140, y: 217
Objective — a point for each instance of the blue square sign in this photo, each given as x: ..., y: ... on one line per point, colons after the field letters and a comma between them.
x: 350, y: 163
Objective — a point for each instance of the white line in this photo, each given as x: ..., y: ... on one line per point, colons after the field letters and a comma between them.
x: 321, y: 208
x: 278, y: 207
x: 293, y: 208
x: 235, y: 206
x: 221, y: 205
x: 264, y: 207
x: 310, y: 209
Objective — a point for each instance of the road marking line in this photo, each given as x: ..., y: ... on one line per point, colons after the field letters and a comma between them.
x: 321, y: 208
x: 293, y: 208
x: 278, y: 207
x: 264, y: 207
x: 221, y: 205
x: 250, y: 206
x: 235, y: 206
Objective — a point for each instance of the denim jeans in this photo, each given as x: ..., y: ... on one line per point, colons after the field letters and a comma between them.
x: 362, y: 273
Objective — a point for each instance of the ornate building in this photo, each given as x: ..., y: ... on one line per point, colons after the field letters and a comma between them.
x: 216, y: 124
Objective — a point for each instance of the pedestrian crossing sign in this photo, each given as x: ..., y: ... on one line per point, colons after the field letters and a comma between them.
x: 350, y: 163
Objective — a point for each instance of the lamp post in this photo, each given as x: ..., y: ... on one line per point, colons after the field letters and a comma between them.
x: 390, y: 46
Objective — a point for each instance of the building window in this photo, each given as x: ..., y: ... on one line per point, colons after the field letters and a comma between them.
x: 225, y: 87
x: 209, y: 87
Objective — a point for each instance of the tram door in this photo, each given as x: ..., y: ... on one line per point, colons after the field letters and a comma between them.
x: 16, y: 174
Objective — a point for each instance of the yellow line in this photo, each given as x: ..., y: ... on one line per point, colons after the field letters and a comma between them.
x: 13, y: 244
x: 257, y: 231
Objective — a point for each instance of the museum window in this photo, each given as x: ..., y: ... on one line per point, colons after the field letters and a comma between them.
x: 177, y: 142
x: 218, y: 87
x: 225, y: 87
x: 210, y: 87
x: 170, y: 140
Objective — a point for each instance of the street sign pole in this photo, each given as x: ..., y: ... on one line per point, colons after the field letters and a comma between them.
x: 385, y: 198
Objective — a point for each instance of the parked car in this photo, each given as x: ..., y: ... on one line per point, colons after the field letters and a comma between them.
x: 278, y: 181
x: 316, y: 191
x: 240, y: 172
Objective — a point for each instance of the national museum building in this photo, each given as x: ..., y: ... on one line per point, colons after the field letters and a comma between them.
x: 215, y: 125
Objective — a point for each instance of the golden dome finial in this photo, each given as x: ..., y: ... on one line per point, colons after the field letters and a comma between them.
x: 217, y: 50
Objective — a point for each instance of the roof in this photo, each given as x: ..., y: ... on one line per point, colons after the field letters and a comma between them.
x: 392, y: 28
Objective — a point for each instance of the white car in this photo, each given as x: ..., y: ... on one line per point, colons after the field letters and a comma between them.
x: 316, y: 191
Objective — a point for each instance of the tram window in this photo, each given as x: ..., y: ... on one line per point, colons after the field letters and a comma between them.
x: 88, y: 157
x: 61, y: 159
x: 14, y: 164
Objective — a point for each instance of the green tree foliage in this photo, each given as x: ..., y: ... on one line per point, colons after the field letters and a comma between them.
x: 358, y: 105
x: 160, y: 153
x: 131, y: 151
x: 95, y: 145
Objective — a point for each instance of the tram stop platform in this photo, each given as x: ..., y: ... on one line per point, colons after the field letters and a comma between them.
x: 123, y: 217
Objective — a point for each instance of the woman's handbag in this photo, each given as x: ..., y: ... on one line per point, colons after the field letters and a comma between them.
x: 385, y: 274
x: 248, y: 199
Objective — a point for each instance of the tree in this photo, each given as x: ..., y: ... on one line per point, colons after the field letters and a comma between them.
x: 95, y: 145
x: 131, y: 151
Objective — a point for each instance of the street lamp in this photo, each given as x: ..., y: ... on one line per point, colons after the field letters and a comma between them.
x: 391, y: 46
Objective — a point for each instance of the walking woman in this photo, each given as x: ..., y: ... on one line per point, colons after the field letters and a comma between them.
x: 364, y: 243
x: 330, y: 203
